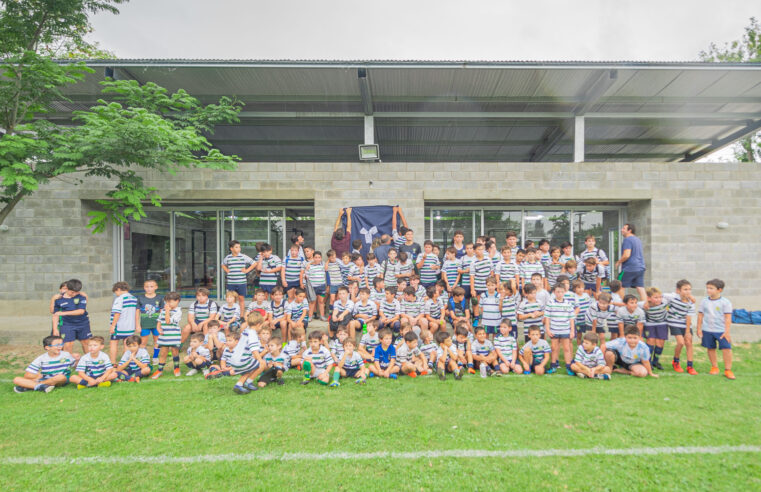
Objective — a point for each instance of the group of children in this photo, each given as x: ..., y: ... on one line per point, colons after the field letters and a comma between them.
x: 400, y: 315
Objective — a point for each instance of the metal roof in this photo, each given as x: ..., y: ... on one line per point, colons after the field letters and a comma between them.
x: 313, y: 110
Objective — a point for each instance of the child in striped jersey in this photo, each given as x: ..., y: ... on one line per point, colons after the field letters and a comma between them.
x: 509, y: 307
x: 274, y: 364
x: 94, y: 368
x: 602, y: 315
x: 428, y: 348
x: 277, y: 316
x: 390, y: 268
x: 353, y: 291
x: 406, y: 266
x: 461, y: 344
x: 590, y: 361
x: 493, y: 254
x: 428, y: 265
x: 655, y: 324
x: 135, y: 362
x: 409, y: 358
x: 294, y: 348
x: 567, y: 252
x: 529, y: 267
x: 412, y: 309
x: 292, y: 275
x: 480, y: 270
x: 259, y: 303
x: 345, y: 265
x: 198, y: 357
x: 269, y: 266
x: 450, y: 270
x: 47, y: 371
x: 315, y: 274
x: 351, y: 364
x: 543, y: 296
x: 465, y: 262
x: 582, y: 302
x: 236, y: 266
x: 446, y: 356
x: 506, y: 349
x: 372, y: 269
x: 553, y: 268
x: 229, y: 313
x: 530, y: 312
x: 420, y: 291
x: 124, y: 317
x: 591, y: 276
x: 506, y: 270
x: 484, y: 356
x: 199, y: 313
x: 214, y: 340
x: 336, y: 345
x: 543, y: 252
x: 342, y: 311
x: 433, y: 310
x: 363, y: 312
x: 225, y: 368
x: 298, y: 315
x: 489, y: 306
x: 401, y: 284
x: 333, y: 270
x: 390, y: 312
x: 617, y: 293
x: 630, y: 314
x: 570, y: 269
x: 378, y: 293
x: 679, y: 319
x: 170, y: 335
x: 535, y: 353
x: 369, y: 341
x: 246, y: 358
x: 357, y: 271
x: 317, y: 361
x: 559, y: 318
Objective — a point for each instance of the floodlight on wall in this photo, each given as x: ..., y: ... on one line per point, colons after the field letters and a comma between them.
x: 369, y: 152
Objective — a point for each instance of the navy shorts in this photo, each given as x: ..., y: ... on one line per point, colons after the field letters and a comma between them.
x: 279, y: 325
x: 659, y: 332
x: 491, y: 330
x: 620, y: 363
x: 588, y: 286
x: 678, y: 330
x: 334, y: 289
x: 582, y: 328
x: 393, y: 326
x: 120, y: 337
x: 292, y: 285
x: 71, y: 333
x: 535, y: 364
x: 710, y: 340
x: 268, y: 288
x: 239, y: 288
x: 561, y: 336
x: 144, y: 332
x: 352, y: 373
x: 319, y: 290
x: 633, y: 279
x: 428, y: 286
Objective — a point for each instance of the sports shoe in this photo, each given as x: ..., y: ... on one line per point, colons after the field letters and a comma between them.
x: 48, y: 389
x: 213, y: 375
x: 205, y: 371
x: 570, y: 372
x: 458, y: 374
x: 551, y: 370
x: 192, y: 372
x: 442, y: 374
x: 280, y: 381
x: 334, y: 384
x: 657, y: 365
x: 104, y: 384
x: 471, y: 370
x: 176, y: 372
x: 496, y: 373
x: 606, y: 377
x: 304, y: 381
x: 157, y: 374
x: 677, y: 367
x: 136, y: 379
x: 393, y: 376
x: 372, y: 375
x: 81, y: 386
x: 482, y: 370
x: 691, y: 371
x: 360, y: 381
x: 424, y: 373
x: 526, y: 373
x: 714, y: 370
x: 241, y: 390
x: 249, y: 385
x: 21, y: 389
x: 412, y: 374
x: 581, y: 375
x: 729, y: 374
x: 44, y: 387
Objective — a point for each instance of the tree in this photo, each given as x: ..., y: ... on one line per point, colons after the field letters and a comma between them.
x: 138, y: 127
x: 746, y: 49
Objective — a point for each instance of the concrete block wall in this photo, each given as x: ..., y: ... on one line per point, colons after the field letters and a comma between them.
x: 675, y: 206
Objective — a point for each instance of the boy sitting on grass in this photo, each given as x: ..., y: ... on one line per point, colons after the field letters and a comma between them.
x: 506, y: 348
x: 446, y: 356
x: 276, y: 364
x: 589, y: 361
x: 629, y: 354
x: 484, y: 355
x: 94, y: 368
x: 199, y: 357
x: 351, y: 364
x: 135, y: 362
x: 384, y: 360
x: 409, y: 359
x: 535, y: 354
x: 317, y: 360
x: 47, y: 371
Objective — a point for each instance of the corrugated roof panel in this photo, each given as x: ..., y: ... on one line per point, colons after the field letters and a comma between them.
x: 733, y: 83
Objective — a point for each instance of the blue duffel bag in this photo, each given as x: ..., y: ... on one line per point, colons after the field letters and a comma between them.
x: 755, y: 317
x: 741, y: 316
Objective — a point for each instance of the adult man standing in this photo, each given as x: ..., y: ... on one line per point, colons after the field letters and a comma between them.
x: 632, y: 261
x: 341, y: 240
x: 381, y: 252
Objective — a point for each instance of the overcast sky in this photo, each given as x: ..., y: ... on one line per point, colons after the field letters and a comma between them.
x: 661, y: 30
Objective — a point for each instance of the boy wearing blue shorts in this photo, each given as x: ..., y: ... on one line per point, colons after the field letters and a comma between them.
x: 559, y: 323
x: 124, y: 315
x: 714, y: 322
x: 292, y: 274
x: 236, y: 265
x: 269, y: 267
x: 655, y: 324
x: 489, y: 305
x: 535, y: 353
x: 351, y: 364
x: 315, y: 273
x: 149, y: 306
x: 47, y: 371
x: 71, y: 307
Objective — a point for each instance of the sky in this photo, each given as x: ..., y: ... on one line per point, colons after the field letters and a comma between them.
x: 663, y: 30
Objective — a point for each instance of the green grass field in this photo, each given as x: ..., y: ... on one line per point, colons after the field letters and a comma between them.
x: 190, y: 417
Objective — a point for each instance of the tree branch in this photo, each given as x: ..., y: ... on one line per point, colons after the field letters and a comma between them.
x: 8, y: 208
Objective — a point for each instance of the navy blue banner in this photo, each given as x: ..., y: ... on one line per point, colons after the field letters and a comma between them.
x: 370, y: 222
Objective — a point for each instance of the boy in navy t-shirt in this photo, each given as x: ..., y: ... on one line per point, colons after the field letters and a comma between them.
x: 384, y: 362
x: 71, y: 307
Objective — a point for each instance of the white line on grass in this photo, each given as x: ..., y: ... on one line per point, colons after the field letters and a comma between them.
x: 345, y: 455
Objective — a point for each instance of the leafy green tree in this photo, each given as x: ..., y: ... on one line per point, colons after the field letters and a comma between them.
x: 745, y: 49
x: 135, y: 127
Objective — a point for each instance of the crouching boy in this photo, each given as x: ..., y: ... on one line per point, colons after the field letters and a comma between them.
x: 589, y: 361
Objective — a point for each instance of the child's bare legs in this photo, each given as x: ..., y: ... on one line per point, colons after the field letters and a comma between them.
x: 113, y: 347
x: 162, y: 354
x: 727, y: 355
x: 582, y: 369
x: 638, y: 371
x: 30, y: 382
x: 352, y: 327
x: 555, y: 347
x: 321, y: 305
x: 526, y: 358
x: 242, y: 305
x: 422, y: 323
x: 176, y: 356
x: 567, y: 357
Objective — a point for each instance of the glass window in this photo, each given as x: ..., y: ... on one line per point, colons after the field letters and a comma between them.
x: 446, y: 222
x: 196, y: 252
x: 301, y: 220
x: 603, y: 225
x: 498, y: 222
x: 553, y: 225
x: 146, y: 252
